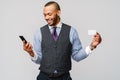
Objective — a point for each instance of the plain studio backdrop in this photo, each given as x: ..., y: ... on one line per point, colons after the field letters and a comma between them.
x: 23, y: 17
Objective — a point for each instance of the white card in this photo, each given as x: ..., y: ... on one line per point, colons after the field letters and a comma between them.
x: 91, y: 32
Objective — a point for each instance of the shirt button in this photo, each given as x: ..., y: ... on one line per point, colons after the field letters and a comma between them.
x: 55, y: 71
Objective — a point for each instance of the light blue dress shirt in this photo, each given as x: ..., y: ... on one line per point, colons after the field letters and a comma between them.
x: 78, y: 53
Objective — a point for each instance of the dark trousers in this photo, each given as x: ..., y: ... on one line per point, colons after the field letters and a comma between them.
x: 43, y: 76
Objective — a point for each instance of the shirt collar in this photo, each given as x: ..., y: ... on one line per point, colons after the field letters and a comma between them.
x: 58, y: 26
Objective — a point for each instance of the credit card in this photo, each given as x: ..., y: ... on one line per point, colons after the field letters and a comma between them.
x: 91, y: 32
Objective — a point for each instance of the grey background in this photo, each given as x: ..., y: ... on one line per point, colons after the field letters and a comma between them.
x: 25, y: 16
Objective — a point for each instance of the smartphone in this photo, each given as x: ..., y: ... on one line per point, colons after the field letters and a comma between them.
x: 23, y: 39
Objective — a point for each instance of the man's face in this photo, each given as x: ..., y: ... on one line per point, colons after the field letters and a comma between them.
x: 51, y: 15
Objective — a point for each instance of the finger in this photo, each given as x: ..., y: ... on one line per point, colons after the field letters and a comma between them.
x: 97, y: 34
x: 99, y: 37
x: 26, y: 45
x: 29, y: 46
x: 23, y: 42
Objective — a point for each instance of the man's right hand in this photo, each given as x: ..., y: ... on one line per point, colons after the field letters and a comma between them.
x: 28, y: 48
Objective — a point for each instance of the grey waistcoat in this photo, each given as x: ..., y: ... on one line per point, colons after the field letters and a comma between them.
x: 56, y: 55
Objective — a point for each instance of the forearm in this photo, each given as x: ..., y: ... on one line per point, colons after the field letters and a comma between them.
x: 81, y: 54
x: 37, y: 57
x: 37, y: 47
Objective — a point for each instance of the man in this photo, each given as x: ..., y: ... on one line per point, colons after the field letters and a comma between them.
x: 55, y: 44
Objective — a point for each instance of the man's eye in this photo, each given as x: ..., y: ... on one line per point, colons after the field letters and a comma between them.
x: 44, y: 14
x: 49, y: 14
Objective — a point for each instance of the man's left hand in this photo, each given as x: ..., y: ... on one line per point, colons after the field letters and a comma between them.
x: 96, y: 41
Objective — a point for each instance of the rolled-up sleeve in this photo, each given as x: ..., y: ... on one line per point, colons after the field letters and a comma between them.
x: 78, y: 53
x: 37, y: 47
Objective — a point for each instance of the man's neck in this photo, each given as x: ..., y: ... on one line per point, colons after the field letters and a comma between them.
x: 58, y: 22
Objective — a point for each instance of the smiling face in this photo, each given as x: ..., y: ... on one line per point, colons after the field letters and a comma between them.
x: 52, y: 15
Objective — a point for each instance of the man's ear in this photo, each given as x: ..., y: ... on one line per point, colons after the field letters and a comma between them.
x: 58, y: 12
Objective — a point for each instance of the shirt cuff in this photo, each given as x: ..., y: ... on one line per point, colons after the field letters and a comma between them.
x: 35, y: 56
x: 88, y: 50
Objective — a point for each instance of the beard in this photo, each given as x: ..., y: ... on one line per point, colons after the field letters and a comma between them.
x: 55, y: 21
